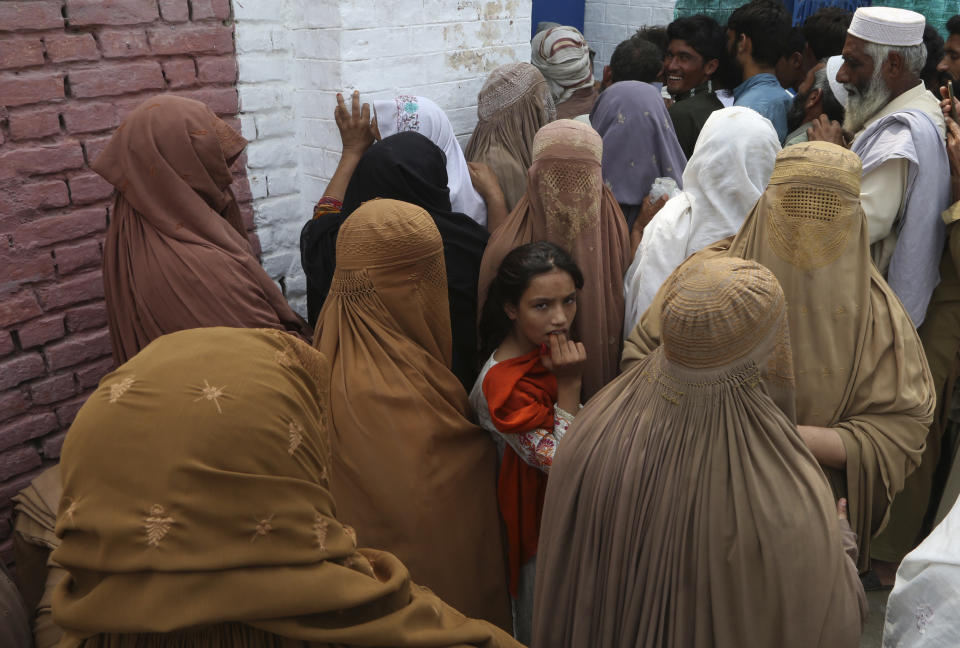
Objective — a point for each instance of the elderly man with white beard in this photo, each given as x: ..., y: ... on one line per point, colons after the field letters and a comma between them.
x: 898, y: 131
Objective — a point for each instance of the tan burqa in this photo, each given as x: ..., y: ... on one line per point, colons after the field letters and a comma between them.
x: 859, y: 365
x: 567, y: 204
x: 683, y: 509
x: 216, y: 527
x: 176, y: 255
x: 411, y: 471
x: 512, y: 106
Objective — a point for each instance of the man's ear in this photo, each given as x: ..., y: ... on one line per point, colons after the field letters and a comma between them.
x: 745, y: 45
x: 711, y: 67
x: 893, y: 66
x: 607, y: 76
x: 815, y: 96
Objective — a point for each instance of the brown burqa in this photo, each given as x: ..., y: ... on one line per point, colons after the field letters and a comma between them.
x: 683, y: 509
x: 411, y: 472
x: 512, y: 106
x: 859, y: 365
x: 176, y: 254
x: 218, y: 528
x: 567, y: 204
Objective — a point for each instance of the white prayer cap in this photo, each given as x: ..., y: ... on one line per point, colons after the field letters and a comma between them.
x: 833, y: 65
x: 888, y: 26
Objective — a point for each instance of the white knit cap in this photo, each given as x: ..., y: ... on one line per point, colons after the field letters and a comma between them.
x: 888, y: 26
x: 833, y: 64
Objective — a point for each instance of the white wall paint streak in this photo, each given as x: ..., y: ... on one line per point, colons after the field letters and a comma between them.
x: 295, y: 55
x: 609, y: 22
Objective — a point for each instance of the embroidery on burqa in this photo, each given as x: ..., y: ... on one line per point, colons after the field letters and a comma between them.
x: 570, y: 188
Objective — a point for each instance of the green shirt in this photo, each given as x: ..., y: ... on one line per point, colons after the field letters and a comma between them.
x: 690, y: 113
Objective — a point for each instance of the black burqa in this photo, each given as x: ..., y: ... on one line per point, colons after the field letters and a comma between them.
x: 407, y: 166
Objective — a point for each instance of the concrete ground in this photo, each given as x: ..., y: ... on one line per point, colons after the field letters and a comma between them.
x: 873, y: 630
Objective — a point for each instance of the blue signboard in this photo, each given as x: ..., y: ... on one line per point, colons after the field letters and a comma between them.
x: 565, y: 12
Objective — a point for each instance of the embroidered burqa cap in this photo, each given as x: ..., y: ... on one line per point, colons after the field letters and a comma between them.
x: 888, y: 26
x: 512, y: 106
x: 219, y: 523
x: 683, y: 509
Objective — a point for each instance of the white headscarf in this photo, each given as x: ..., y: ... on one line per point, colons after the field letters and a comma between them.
x: 924, y: 606
x: 409, y: 113
x: 728, y: 171
x: 563, y: 56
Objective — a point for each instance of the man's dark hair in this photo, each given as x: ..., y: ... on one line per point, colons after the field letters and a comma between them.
x: 656, y: 34
x: 826, y: 30
x: 636, y: 59
x: 702, y: 33
x: 933, y: 41
x: 831, y: 106
x: 953, y: 25
x: 795, y: 42
x: 766, y: 23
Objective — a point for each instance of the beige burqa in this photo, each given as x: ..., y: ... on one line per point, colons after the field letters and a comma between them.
x: 683, y: 509
x: 512, y: 106
x: 567, y: 204
x: 411, y: 471
x: 217, y: 527
x: 860, y: 368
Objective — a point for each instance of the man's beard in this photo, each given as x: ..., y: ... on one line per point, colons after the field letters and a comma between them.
x: 862, y: 104
x: 797, y: 111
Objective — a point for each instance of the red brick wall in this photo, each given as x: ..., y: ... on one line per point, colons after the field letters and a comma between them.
x: 70, y: 70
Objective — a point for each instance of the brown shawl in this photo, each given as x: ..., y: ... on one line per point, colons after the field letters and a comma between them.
x: 859, y: 364
x: 176, y: 254
x: 683, y: 509
x: 411, y: 472
x: 218, y: 526
x: 567, y: 203
x: 512, y: 106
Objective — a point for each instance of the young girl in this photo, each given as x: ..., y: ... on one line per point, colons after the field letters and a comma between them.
x: 527, y: 393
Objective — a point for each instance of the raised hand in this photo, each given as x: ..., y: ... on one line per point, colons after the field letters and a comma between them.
x: 356, y: 130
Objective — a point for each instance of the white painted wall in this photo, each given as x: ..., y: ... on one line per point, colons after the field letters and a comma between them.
x: 609, y: 22
x: 295, y: 55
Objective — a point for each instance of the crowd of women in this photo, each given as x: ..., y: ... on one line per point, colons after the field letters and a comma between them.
x: 552, y: 423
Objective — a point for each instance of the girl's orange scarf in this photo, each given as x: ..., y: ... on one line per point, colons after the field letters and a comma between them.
x: 520, y: 394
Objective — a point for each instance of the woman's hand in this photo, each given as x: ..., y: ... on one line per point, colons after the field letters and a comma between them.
x: 842, y: 508
x: 648, y: 209
x: 484, y: 179
x: 953, y: 154
x: 824, y: 130
x: 356, y: 132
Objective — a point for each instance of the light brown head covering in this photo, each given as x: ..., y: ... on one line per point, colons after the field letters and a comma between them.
x: 567, y: 204
x: 512, y: 106
x: 859, y: 365
x: 218, y: 523
x: 411, y: 472
x: 176, y: 254
x: 683, y: 509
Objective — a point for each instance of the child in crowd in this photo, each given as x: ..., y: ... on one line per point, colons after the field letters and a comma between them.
x: 527, y: 393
